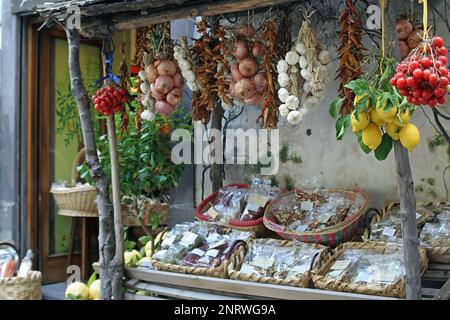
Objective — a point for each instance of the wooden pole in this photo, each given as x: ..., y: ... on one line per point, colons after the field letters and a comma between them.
x: 118, y: 225
x: 216, y: 173
x: 105, y: 237
x: 409, y: 228
x: 405, y: 184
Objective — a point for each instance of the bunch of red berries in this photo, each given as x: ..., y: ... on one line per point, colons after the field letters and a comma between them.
x: 423, y: 76
x: 110, y: 99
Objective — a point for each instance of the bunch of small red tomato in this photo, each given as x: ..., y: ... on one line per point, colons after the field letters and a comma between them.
x: 110, y: 99
x: 423, y: 76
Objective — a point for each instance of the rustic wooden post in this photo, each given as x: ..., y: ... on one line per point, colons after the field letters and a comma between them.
x: 216, y: 173
x: 106, y: 235
x: 405, y: 187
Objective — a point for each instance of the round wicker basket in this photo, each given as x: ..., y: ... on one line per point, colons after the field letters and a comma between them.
x: 16, y: 288
x: 76, y: 201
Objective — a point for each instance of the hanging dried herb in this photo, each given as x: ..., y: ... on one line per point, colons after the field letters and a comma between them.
x: 350, y: 53
x: 125, y: 82
x: 269, y: 110
x: 141, y: 45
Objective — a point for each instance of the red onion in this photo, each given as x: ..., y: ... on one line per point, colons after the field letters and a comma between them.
x: 178, y: 80
x: 254, y: 100
x: 164, y: 84
x: 240, y: 50
x: 163, y: 107
x: 174, y: 97
x: 235, y: 74
x: 247, y: 30
x: 151, y: 73
x: 258, y: 49
x: 166, y: 67
x: 155, y: 93
x: 244, y: 88
x: 248, y: 67
x: 260, y: 80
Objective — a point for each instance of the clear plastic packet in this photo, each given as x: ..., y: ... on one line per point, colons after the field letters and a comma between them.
x: 229, y: 204
x: 285, y: 258
x: 435, y: 234
x: 259, y: 195
x: 340, y: 269
x: 175, y: 234
x: 173, y: 255
x: 193, y: 256
x: 302, y: 263
x: 260, y: 260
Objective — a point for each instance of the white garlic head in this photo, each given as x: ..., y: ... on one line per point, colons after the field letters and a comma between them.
x: 292, y: 102
x: 307, y: 87
x: 300, y: 48
x: 294, y: 117
x: 306, y: 74
x: 284, y: 110
x: 292, y: 58
x: 282, y: 66
x: 283, y: 80
x: 147, y: 115
x: 283, y: 94
x: 303, y: 62
x: 324, y: 57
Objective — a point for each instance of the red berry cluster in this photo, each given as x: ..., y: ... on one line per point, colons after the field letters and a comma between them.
x: 423, y: 77
x: 110, y: 99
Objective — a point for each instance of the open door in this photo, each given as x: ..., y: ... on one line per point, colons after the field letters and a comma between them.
x: 53, y: 141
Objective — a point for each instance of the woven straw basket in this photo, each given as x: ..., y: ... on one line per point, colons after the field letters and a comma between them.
x: 304, y: 281
x: 79, y: 201
x: 330, y: 236
x: 218, y: 272
x: 15, y: 288
x: 438, y: 254
x: 398, y: 290
x: 256, y: 226
x: 426, y: 215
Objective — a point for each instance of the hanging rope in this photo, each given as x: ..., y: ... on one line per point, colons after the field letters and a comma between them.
x: 425, y: 18
x: 382, y: 4
x: 108, y: 53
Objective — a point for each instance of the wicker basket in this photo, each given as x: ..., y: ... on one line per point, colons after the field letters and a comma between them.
x: 15, y: 288
x: 438, y: 254
x: 218, y: 272
x: 330, y: 236
x: 426, y: 215
x: 321, y: 281
x: 129, y: 217
x: 256, y: 226
x: 305, y: 281
x: 76, y: 201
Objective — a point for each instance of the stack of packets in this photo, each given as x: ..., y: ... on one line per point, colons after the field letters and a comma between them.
x: 269, y: 260
x: 199, y: 244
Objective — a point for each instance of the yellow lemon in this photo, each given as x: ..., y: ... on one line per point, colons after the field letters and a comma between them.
x: 409, y: 136
x: 375, y: 118
x: 403, y: 118
x: 361, y: 123
x: 359, y: 98
x: 371, y: 136
x: 387, y: 115
x: 77, y: 290
x: 131, y: 257
x: 94, y: 290
x: 392, y: 130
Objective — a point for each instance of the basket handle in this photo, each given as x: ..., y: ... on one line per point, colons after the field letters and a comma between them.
x: 370, y: 214
x: 9, y: 244
x: 80, y: 158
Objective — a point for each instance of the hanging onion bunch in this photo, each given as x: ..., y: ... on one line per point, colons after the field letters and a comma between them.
x: 409, y: 35
x: 248, y: 82
x: 302, y: 75
x: 162, y: 83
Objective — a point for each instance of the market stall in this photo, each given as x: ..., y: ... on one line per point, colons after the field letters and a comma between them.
x: 257, y: 238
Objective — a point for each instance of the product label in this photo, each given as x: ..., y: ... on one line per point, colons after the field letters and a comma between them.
x: 306, y: 205
x: 167, y: 242
x: 198, y: 252
x: 251, y: 207
x: 257, y: 200
x: 188, y: 238
x: 205, y: 259
x: 335, y: 273
x: 247, y: 269
x: 212, y: 253
x: 384, y: 276
x: 263, y: 262
x: 160, y: 254
x: 217, y: 244
x: 341, y: 264
x: 363, y: 276
x: 389, y: 232
x: 324, y: 218
x: 301, y: 269
x: 418, y: 216
x: 301, y: 228
x: 213, y: 213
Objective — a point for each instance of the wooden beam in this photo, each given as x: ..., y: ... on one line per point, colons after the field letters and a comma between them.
x: 117, y: 7
x: 170, y: 13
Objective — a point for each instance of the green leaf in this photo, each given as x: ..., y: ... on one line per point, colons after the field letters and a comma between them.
x: 360, y: 106
x: 384, y: 148
x: 364, y: 148
x: 142, y: 252
x: 342, y: 125
x: 70, y: 296
x: 92, y: 278
x: 129, y: 245
x: 335, y: 107
x: 144, y: 239
x: 358, y: 86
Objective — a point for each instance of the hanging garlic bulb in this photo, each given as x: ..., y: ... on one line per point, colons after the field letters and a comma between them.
x: 294, y: 117
x: 283, y: 94
x: 282, y: 66
x: 147, y: 115
x: 284, y: 110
